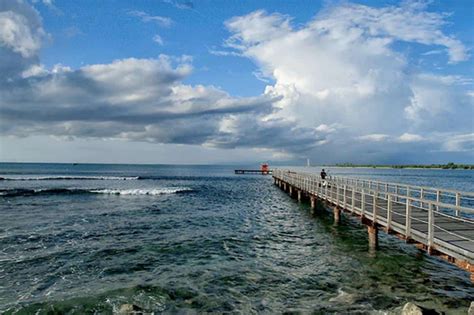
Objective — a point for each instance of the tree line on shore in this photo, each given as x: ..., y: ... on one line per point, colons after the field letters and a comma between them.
x: 448, y: 166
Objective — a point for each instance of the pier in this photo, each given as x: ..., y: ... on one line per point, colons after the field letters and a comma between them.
x: 439, y: 221
x: 262, y: 172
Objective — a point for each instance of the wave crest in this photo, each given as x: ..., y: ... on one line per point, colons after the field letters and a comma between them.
x: 67, y: 191
x: 157, y: 191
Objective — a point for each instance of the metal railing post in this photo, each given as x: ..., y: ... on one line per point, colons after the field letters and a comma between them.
x: 353, y: 199
x: 430, y: 228
x: 438, y: 198
x: 325, y: 190
x: 422, y: 195
x: 458, y: 203
x: 389, y: 212
x: 374, y: 208
x: 329, y: 191
x: 344, y: 198
x: 408, y: 219
x: 362, y: 204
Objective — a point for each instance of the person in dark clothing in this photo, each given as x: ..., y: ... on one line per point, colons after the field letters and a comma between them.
x: 323, y: 174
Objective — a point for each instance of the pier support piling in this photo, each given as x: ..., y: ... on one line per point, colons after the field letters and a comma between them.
x: 313, y: 204
x: 299, y: 195
x: 291, y: 191
x: 337, y: 215
x: 373, y: 237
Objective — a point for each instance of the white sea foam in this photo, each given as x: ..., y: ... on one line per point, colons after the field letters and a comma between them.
x: 344, y: 297
x: 68, y: 191
x: 154, y: 191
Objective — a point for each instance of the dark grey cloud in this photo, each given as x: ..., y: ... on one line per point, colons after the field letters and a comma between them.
x: 132, y: 99
x: 79, y: 108
x: 248, y: 131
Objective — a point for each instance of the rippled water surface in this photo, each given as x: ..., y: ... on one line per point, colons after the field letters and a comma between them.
x: 89, y: 238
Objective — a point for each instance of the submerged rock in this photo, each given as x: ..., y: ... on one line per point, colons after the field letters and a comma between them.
x: 344, y: 297
x: 127, y: 309
x: 413, y: 309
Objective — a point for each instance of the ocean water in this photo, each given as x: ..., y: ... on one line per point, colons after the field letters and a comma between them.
x: 86, y: 239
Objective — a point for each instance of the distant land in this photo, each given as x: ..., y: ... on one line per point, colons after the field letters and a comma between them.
x: 448, y: 166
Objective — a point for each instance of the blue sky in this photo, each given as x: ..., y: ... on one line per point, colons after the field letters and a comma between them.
x: 90, y: 32
x: 236, y: 81
x: 114, y: 33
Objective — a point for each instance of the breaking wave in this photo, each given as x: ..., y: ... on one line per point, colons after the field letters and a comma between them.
x: 158, y: 191
x: 67, y: 191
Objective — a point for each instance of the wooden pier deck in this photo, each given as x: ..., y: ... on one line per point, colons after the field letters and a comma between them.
x: 436, y: 220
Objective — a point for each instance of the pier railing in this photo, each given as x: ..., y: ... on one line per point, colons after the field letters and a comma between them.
x: 454, y: 202
x: 440, y: 219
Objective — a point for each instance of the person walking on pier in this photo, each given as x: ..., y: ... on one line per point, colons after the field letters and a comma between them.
x: 323, y: 177
x: 323, y: 174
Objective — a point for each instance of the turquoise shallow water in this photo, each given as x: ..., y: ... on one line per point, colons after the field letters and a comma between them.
x: 88, y: 238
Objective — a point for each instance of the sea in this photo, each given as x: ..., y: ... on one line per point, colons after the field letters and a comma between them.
x: 95, y: 238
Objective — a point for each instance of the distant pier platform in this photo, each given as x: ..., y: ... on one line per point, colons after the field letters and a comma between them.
x: 261, y: 172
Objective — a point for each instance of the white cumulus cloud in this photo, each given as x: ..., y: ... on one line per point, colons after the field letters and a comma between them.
x: 342, y: 69
x: 20, y: 28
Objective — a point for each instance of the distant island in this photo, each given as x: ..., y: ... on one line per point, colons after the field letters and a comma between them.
x: 448, y: 166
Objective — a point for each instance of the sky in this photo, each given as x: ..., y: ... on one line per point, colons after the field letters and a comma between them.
x: 203, y: 82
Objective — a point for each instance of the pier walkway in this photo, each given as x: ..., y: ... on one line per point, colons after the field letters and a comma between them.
x: 439, y: 221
